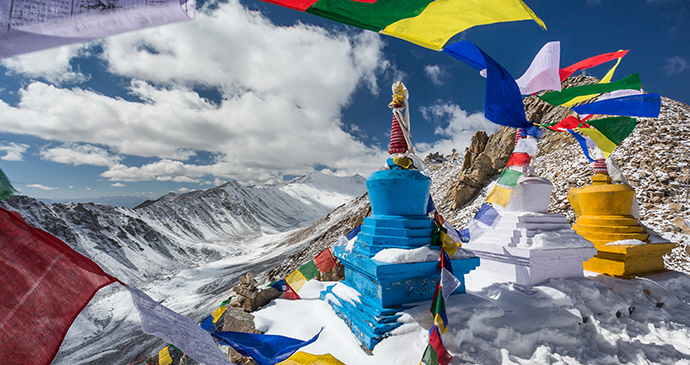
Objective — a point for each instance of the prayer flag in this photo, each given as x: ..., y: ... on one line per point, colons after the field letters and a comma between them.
x: 6, y: 189
x: 615, y: 129
x: 604, y: 144
x: 353, y: 233
x: 290, y: 293
x: 264, y: 349
x: 619, y: 94
x: 447, y: 243
x: 590, y: 62
x: 487, y: 215
x: 45, y: 284
x: 303, y: 358
x: 583, y: 144
x: 500, y: 195
x: 509, y: 177
x: 296, y: 280
x: 518, y: 160
x: 452, y: 233
x: 503, y: 103
x: 570, y: 122
x: 209, y: 324
x: 438, y: 309
x: 325, y: 261
x: 177, y: 329
x: 543, y: 72
x: 309, y: 270
x: 164, y: 357
x: 561, y: 97
x: 280, y: 285
x: 444, y: 262
x: 427, y: 23
x: 644, y: 105
x: 435, y: 353
x: 607, y: 78
x: 448, y: 283
x: 526, y: 145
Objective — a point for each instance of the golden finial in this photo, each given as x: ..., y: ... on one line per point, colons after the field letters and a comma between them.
x: 399, y: 94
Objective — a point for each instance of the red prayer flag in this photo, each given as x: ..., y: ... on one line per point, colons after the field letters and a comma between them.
x: 325, y: 261
x: 435, y: 341
x: 45, y: 285
x: 590, y: 62
x: 300, y: 5
x: 519, y: 159
x: 570, y: 122
x: 290, y: 293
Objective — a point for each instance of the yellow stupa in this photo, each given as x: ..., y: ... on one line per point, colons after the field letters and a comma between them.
x: 604, y: 215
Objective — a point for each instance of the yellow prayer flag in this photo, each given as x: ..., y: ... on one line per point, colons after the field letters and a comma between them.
x: 604, y: 144
x: 439, y: 322
x: 303, y: 358
x: 296, y: 280
x: 442, y: 19
x: 218, y: 312
x: 607, y: 78
x: 500, y: 195
x: 448, y: 244
x: 164, y: 357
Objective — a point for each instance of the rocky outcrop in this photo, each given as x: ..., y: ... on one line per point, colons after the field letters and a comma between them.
x: 237, y: 320
x: 484, y: 158
x: 249, y: 297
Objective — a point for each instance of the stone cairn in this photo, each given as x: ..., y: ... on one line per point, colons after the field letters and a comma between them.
x: 249, y: 297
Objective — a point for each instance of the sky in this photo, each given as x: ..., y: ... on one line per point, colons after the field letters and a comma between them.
x: 253, y: 92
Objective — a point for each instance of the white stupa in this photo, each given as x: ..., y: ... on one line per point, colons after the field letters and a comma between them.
x: 522, y: 243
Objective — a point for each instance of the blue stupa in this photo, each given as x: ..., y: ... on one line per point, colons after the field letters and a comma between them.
x: 374, y: 293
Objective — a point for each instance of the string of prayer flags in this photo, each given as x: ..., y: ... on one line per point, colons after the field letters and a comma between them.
x: 543, y: 72
x: 45, y: 285
x: 643, y: 105
x: 564, y: 96
x: 325, y: 261
x: 428, y: 23
x: 264, y: 349
x: 607, y: 78
x: 438, y: 309
x: 503, y: 103
x: 435, y: 353
x: 590, y: 62
x: 296, y: 280
x: 608, y: 133
x: 303, y: 358
x: 448, y: 281
x: 176, y: 329
x: 213, y: 322
x: 6, y: 189
x: 290, y: 294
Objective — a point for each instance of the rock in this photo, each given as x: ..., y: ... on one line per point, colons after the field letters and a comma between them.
x: 248, y: 280
x: 681, y: 224
x: 676, y: 207
x: 238, y: 320
x: 261, y: 299
x: 247, y: 293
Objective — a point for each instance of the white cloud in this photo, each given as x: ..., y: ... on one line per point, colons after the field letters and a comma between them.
x: 39, y: 186
x: 13, y: 151
x: 183, y: 190
x: 51, y: 64
x: 74, y: 154
x: 118, y: 185
x: 458, y: 130
x: 283, y: 89
x: 675, y: 65
x: 435, y: 74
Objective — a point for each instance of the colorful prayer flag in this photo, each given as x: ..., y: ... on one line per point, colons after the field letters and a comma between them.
x: 518, y: 160
x: 607, y: 78
x: 164, y: 357
x: 280, y: 285
x: 543, y: 72
x: 296, y: 280
x: 177, y: 329
x: 570, y: 122
x: 303, y: 358
x: 604, y: 144
x: 526, y: 145
x: 6, y: 189
x: 45, y: 284
x: 509, y: 177
x: 353, y: 233
x: 500, y: 195
x: 448, y: 244
x: 487, y: 215
x: 264, y: 349
x: 438, y: 309
x: 309, y: 270
x: 448, y: 283
x: 644, y: 105
x: 503, y: 104
x: 290, y: 293
x: 435, y: 353
x: 614, y: 128
x: 210, y: 324
x: 427, y: 23
x: 325, y: 261
x: 562, y: 97
x: 583, y: 144
x: 590, y: 62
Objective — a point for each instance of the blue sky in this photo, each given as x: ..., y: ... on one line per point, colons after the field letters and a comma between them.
x: 258, y: 93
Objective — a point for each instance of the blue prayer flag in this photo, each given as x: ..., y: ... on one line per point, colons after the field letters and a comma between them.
x: 264, y: 349
x: 487, y: 215
x: 643, y: 105
x: 280, y: 285
x: 353, y: 233
x: 583, y: 143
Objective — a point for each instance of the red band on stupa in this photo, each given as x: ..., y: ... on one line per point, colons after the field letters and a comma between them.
x: 600, y: 167
x: 398, y: 143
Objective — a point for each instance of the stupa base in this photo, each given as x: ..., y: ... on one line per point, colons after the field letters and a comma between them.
x: 629, y: 261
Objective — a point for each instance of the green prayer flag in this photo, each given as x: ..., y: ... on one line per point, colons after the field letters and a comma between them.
x: 309, y: 270
x: 430, y: 356
x: 614, y: 128
x: 373, y: 16
x: 564, y: 96
x: 6, y: 189
x: 509, y: 177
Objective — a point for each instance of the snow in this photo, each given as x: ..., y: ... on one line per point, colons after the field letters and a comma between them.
x: 592, y: 320
x: 421, y: 254
x: 626, y: 243
x: 558, y: 239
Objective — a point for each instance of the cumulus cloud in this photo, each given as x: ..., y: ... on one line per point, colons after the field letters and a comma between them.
x: 282, y: 91
x: 75, y: 154
x: 39, y: 186
x: 435, y: 74
x: 52, y: 64
x: 118, y: 185
x: 13, y: 151
x: 675, y: 65
x: 456, y: 125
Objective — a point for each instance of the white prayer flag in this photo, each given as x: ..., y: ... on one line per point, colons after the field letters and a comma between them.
x: 177, y: 329
x: 527, y: 145
x: 542, y: 73
x: 448, y: 283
